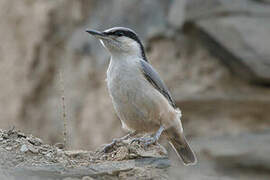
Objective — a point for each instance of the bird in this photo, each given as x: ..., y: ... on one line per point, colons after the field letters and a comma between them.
x: 139, y: 96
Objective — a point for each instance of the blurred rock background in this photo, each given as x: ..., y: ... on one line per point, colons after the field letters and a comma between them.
x: 214, y: 56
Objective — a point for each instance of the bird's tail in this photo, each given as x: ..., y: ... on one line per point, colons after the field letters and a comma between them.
x: 180, y: 145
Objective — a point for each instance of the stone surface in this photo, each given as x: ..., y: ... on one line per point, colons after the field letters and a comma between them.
x: 49, y: 162
x: 245, y: 150
x: 24, y: 148
x: 237, y: 33
x: 245, y: 42
x: 200, y: 9
x: 176, y: 16
x: 227, y: 157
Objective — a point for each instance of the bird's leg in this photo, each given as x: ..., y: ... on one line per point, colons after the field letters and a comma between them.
x: 107, y: 147
x: 150, y: 140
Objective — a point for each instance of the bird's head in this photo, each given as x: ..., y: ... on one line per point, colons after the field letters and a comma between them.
x: 120, y: 41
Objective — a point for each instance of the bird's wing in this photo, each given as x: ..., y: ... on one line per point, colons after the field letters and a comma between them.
x: 153, y: 78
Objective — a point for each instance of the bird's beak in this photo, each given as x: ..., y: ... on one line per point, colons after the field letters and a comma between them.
x: 97, y: 34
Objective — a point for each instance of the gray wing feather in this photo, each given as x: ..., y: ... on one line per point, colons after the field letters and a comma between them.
x: 152, y: 77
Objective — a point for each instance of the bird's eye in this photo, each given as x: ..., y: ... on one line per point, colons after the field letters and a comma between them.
x: 119, y: 33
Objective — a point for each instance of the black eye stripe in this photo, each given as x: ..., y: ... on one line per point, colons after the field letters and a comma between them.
x: 124, y: 33
x: 130, y: 34
x: 119, y: 33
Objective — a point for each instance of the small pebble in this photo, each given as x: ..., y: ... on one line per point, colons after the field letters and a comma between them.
x: 49, y: 155
x: 34, y: 141
x: 8, y: 148
x: 60, y: 145
x: 33, y: 149
x: 24, y: 148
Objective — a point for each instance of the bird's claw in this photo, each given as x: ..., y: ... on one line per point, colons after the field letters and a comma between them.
x: 145, y: 141
x: 108, y: 147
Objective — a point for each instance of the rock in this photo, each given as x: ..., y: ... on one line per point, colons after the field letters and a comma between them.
x: 48, y: 162
x: 96, y: 170
x: 241, y: 151
x: 177, y: 13
x: 77, y: 154
x: 32, y: 149
x: 60, y: 145
x: 228, y: 158
x: 200, y: 9
x: 243, y: 53
x: 121, y: 154
x: 239, y: 41
x: 8, y: 148
x: 264, y: 1
x: 87, y: 178
x: 123, y: 150
x: 35, y: 141
x: 24, y: 148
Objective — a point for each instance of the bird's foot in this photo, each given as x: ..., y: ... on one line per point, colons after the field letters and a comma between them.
x: 149, y: 140
x: 110, y: 146
x: 145, y: 141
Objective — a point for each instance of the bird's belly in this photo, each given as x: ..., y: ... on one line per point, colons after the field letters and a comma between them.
x: 137, y: 106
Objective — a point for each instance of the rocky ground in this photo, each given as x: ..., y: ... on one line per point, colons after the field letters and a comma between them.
x: 242, y: 157
x: 26, y: 157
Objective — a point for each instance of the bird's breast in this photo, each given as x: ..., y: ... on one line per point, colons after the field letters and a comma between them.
x: 123, y: 83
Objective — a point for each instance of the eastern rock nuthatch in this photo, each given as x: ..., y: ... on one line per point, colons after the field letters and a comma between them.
x: 140, y: 98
